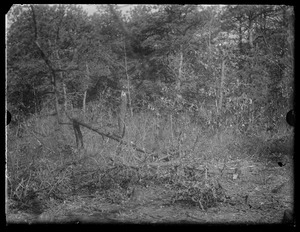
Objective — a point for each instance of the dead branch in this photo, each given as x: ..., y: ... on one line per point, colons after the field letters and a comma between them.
x: 111, y: 136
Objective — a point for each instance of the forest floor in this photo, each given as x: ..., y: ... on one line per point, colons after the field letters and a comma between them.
x: 261, y: 199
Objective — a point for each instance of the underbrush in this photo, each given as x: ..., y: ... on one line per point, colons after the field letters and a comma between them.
x: 44, y: 168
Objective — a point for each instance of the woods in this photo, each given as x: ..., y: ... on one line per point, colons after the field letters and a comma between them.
x: 170, y: 95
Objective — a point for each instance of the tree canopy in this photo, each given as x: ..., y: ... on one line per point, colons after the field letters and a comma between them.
x: 234, y: 59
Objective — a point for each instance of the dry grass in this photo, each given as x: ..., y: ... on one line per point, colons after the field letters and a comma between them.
x: 44, y: 168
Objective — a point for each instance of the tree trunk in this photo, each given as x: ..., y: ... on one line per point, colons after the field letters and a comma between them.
x: 65, y: 97
x: 122, y: 113
x: 85, y: 89
x: 178, y: 85
x: 221, y: 85
x: 128, y: 82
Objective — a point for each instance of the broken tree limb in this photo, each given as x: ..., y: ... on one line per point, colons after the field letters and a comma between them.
x: 108, y: 135
x: 122, y: 142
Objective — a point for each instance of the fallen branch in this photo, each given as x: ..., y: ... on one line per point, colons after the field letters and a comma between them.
x: 121, y: 141
x: 108, y: 135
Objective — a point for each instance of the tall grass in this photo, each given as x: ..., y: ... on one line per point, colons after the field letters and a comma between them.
x: 43, y: 163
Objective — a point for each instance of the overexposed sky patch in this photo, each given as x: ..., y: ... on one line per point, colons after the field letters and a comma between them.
x: 91, y: 8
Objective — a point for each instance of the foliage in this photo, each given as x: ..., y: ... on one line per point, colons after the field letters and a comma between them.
x: 204, y: 83
x: 153, y: 42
